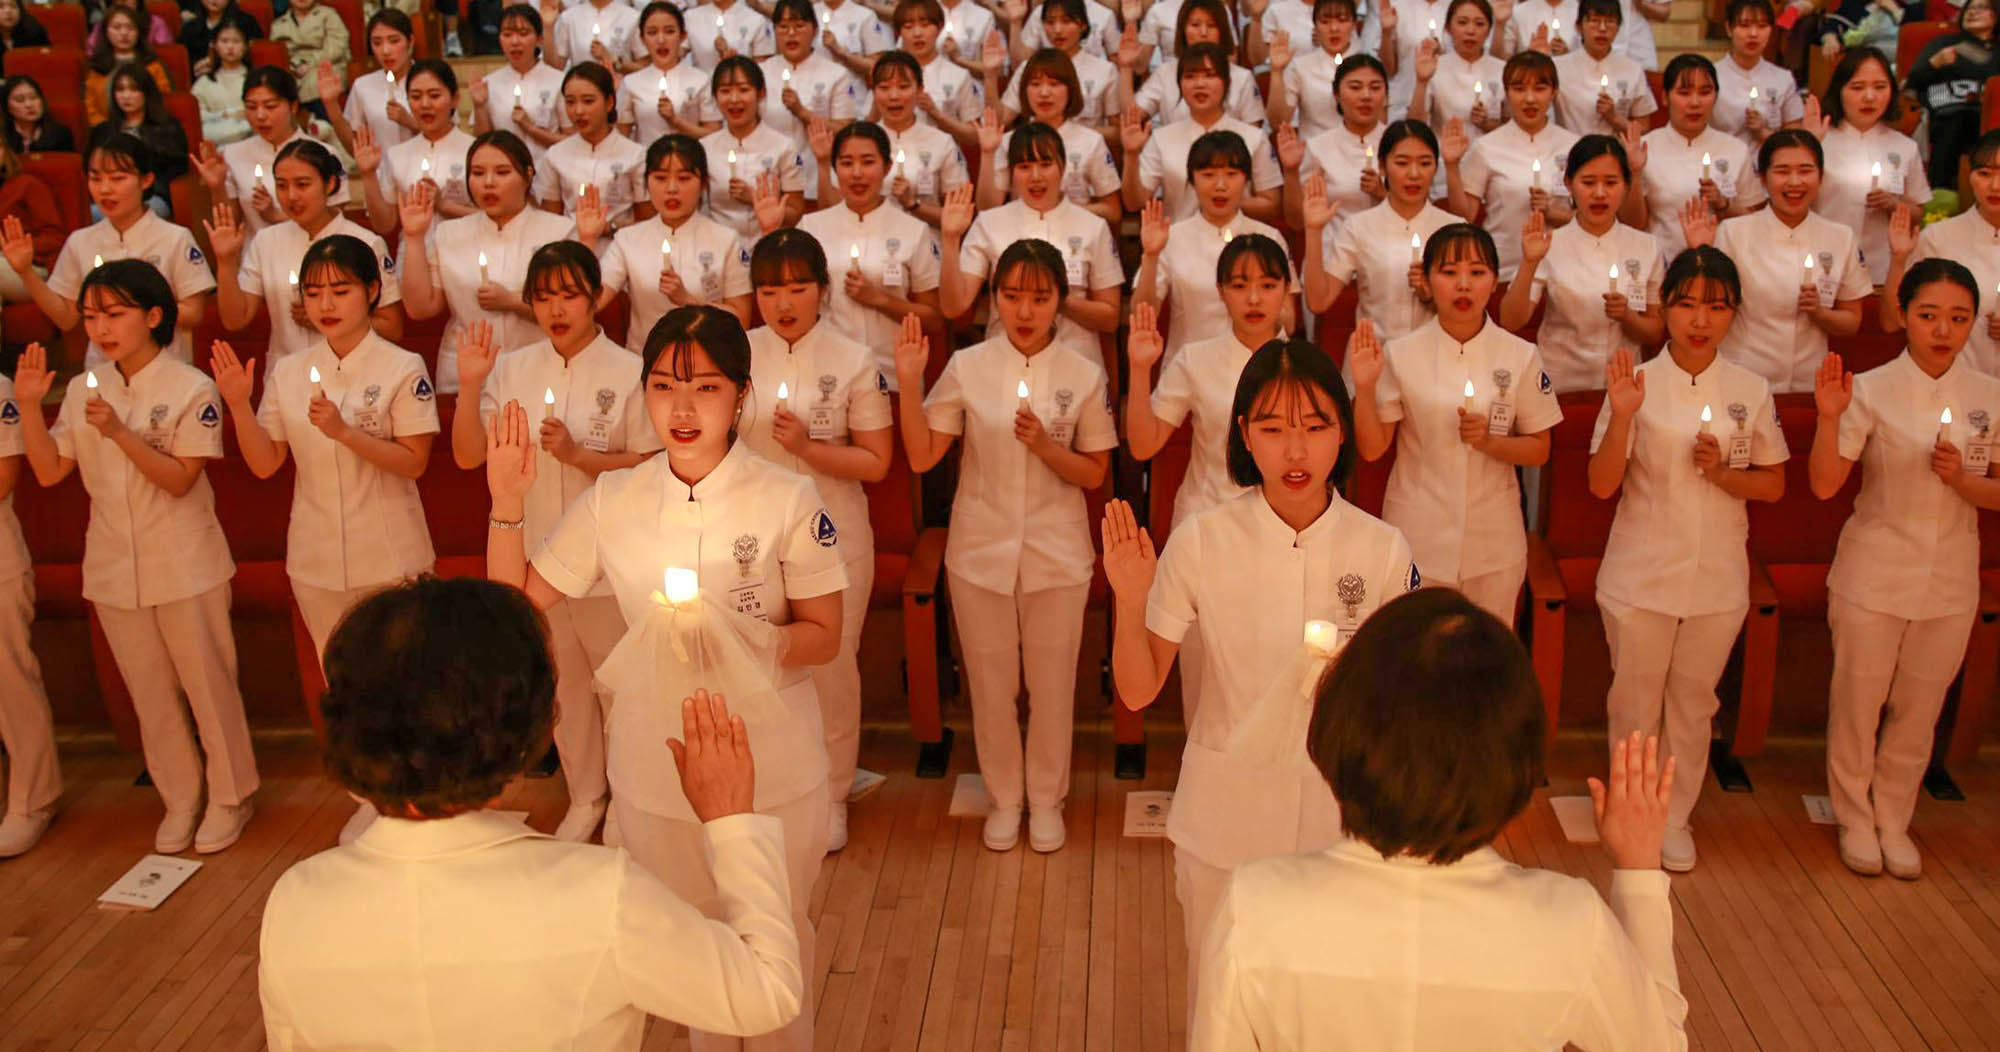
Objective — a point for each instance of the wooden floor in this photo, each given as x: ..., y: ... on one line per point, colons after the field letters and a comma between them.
x: 929, y: 941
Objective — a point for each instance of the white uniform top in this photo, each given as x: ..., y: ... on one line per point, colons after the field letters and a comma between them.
x: 145, y: 547
x: 1083, y: 238
x: 1160, y: 96
x: 1163, y: 164
x: 1843, y: 189
x: 1089, y: 172
x: 541, y: 96
x: 1185, y: 277
x: 855, y: 28
x: 591, y: 944
x: 403, y: 166
x: 272, y: 259
x: 1015, y: 524
x: 766, y: 150
x: 353, y: 524
x: 1672, y: 177
x: 600, y: 399
x: 747, y: 33
x: 1346, y: 949
x: 455, y: 248
x: 932, y: 161
x: 1970, y: 239
x: 368, y: 104
x: 685, y: 85
x: 966, y: 23
x: 1451, y: 93
x: 1532, y: 15
x: 824, y: 87
x: 1372, y: 252
x: 1296, y: 17
x: 1341, y: 156
x: 1099, y: 41
x: 1635, y: 38
x: 1911, y: 548
x: 898, y: 252
x: 711, y: 260
x: 169, y: 247
x: 1499, y: 170
x: 14, y: 558
x: 953, y: 87
x: 1579, y: 77
x: 832, y: 385
x: 1413, y: 20
x: 615, y: 25
x: 1460, y: 508
x: 1575, y: 338
x: 1096, y: 77
x: 616, y: 166
x: 1201, y: 382
x: 1778, y: 97
x: 759, y: 537
x: 1678, y: 545
x: 1769, y: 334
x: 244, y: 157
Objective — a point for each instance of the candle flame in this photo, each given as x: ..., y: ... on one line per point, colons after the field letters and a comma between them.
x: 424, y: 165
x: 1706, y: 160
x: 786, y: 76
x: 90, y: 380
x: 1321, y: 636
x: 732, y: 157
x: 1707, y: 415
x: 1536, y: 167
x: 1944, y: 418
x: 482, y: 259
x: 681, y: 585
x: 899, y: 157
x: 96, y: 261
x: 1809, y: 261
x: 1469, y: 391
x: 1875, y: 169
x: 1021, y: 389
x: 666, y: 248
x: 391, y: 74
x: 784, y: 390
x: 1753, y: 93
x: 1614, y: 272
x: 257, y: 171
x: 1416, y: 241
x: 313, y: 374
x: 1603, y: 81
x: 517, y: 91
x: 292, y: 278
x: 548, y: 396
x: 853, y: 251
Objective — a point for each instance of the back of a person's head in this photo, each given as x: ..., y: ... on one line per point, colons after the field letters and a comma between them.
x: 1429, y: 728
x: 439, y: 692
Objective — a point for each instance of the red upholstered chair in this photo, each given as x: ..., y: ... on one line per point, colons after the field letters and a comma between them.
x: 259, y: 10
x: 59, y: 70
x: 66, y: 23
x: 1869, y: 346
x: 24, y: 323
x: 357, y: 36
x: 454, y: 503
x: 255, y: 514
x: 1976, y: 680
x: 68, y: 112
x: 270, y: 53
x: 167, y: 12
x: 1911, y: 38
x: 1989, y: 105
x: 1657, y: 86
x: 180, y: 71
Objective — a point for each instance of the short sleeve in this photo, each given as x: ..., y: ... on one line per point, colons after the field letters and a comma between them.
x: 868, y: 407
x: 1152, y: 169
x: 392, y: 283
x: 1343, y: 255
x: 791, y: 172
x: 70, y: 269
x: 1106, y: 269
x: 1857, y: 425
x: 1174, y: 397
x: 1170, y: 606
x: 270, y: 414
x: 1096, y: 428
x: 978, y: 251
x: 414, y: 410
x: 846, y: 102
x: 1539, y: 409
x: 1264, y: 171
x: 1389, y: 391
x: 1100, y: 172
x: 952, y: 170
x: 1767, y: 438
x: 569, y: 560
x: 944, y: 407
x: 1793, y: 108
x: 352, y: 110
x: 1476, y: 170
x: 250, y: 269
x: 736, y: 269
x: 925, y: 267
x: 611, y: 266
x: 11, y: 443
x: 548, y: 184
x: 1643, y: 105
x: 1854, y: 281
x: 1153, y: 94
x: 61, y: 431
x: 189, y: 273
x: 198, y: 433
x: 811, y: 555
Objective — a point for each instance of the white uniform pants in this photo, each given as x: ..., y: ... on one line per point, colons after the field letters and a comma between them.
x: 322, y: 609
x: 672, y: 850
x: 185, y: 646
x: 1498, y: 592
x: 1199, y: 887
x: 1889, y: 682
x: 1663, y: 675
x: 1001, y: 635
x: 582, y: 633
x: 26, y: 729
x: 839, y: 681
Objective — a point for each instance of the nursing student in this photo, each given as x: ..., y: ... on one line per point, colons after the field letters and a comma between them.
x: 680, y: 257
x: 1306, y: 72
x: 809, y: 83
x: 831, y: 423
x: 671, y: 93
x: 1153, y: 156
x: 1777, y: 102
x: 117, y: 172
x: 746, y: 151
x: 1036, y: 419
x: 594, y: 156
x: 885, y: 259
x: 377, y: 101
x: 244, y: 171
x: 356, y: 414
x: 1601, y: 90
x: 1379, y: 251
x: 1250, y: 573
x: 602, y: 31
x: 1464, y: 402
x: 1802, y: 278
x: 1904, y: 585
x: 1160, y: 98
x: 475, y: 266
x: 1684, y: 441
x: 27, y: 729
x: 1049, y: 94
x: 950, y: 98
x: 1343, y: 154
x: 1178, y: 262
x: 257, y: 270
x: 1064, y: 24
x: 759, y: 539
x: 929, y: 161
x: 1596, y: 279
x: 523, y: 96
x: 1972, y: 238
x: 585, y: 390
x: 1093, y: 276
x: 156, y: 568
x: 1462, y: 80
x: 1871, y: 168
x: 1687, y: 159
x: 436, y: 154
x: 1516, y: 170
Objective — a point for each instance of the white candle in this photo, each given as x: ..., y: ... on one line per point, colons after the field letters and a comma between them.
x: 1321, y: 636
x: 1368, y: 156
x: 1338, y: 59
x: 1227, y: 234
x: 391, y: 74
x: 785, y: 75
x: 1555, y: 29
x: 732, y: 164
x: 1707, y: 418
x: 1604, y: 83
x: 1808, y: 267
x: 898, y: 173
x: 1469, y: 392
x: 681, y: 585
x: 517, y: 94
x: 1707, y: 163
x: 1944, y: 426
x: 90, y: 380
x: 548, y: 403
x: 1434, y: 28
x: 784, y: 396
x: 1535, y: 173
x: 595, y: 30
x: 663, y: 89
x: 666, y: 252
x: 1875, y: 177
x: 313, y: 375
x: 1021, y: 392
x: 718, y: 24
x: 853, y: 253
x: 1614, y: 277
x: 482, y: 268
x: 257, y: 173
x: 1416, y: 248
x: 1753, y: 96
x: 947, y: 29
x: 1478, y: 92
x: 424, y: 167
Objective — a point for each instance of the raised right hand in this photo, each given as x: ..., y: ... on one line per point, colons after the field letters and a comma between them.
x: 329, y: 85
x: 1535, y: 238
x: 413, y: 208
x: 990, y: 132
x: 1132, y: 131
x: 1454, y: 143
x: 367, y: 155
x: 718, y: 776
x: 1902, y: 231
x: 1364, y: 356
x: 17, y: 246
x: 225, y: 235
x: 913, y: 353
x: 956, y: 216
x: 510, y: 454
x: 1143, y: 346
x: 1153, y: 228
x: 233, y: 377
x: 1833, y: 387
x: 1624, y: 386
x: 32, y: 378
x: 209, y: 165
x: 1632, y: 808
x: 476, y: 352
x: 1129, y: 560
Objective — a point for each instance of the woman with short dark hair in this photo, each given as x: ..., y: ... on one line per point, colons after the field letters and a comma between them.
x: 1414, y: 932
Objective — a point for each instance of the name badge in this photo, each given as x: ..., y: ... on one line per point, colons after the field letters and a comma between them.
x: 1739, y: 450
x: 926, y: 182
x: 1634, y: 288
x: 598, y: 438
x: 746, y: 595
x: 1073, y: 179
x: 1078, y: 270
x: 1978, y: 457
x: 1892, y: 177
x: 822, y: 423
x: 1500, y: 417
x: 370, y: 420
x: 892, y: 273
x: 1828, y: 285
x: 1060, y: 430
x: 711, y: 284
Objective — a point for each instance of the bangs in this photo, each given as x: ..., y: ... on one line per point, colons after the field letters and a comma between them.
x: 325, y: 271
x: 677, y: 361
x: 1703, y: 289
x: 1291, y: 398
x: 106, y: 295
x: 781, y: 269
x: 1026, y: 275
x: 561, y: 279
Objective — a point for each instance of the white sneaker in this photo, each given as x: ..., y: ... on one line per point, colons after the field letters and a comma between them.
x: 581, y: 821
x: 836, y: 826
x: 453, y: 48
x: 364, y: 816
x: 176, y: 833
x: 20, y: 832
x: 1046, y: 831
x: 1677, y: 850
x: 1899, y: 855
x: 1860, y: 851
x: 222, y: 826
x: 1003, y: 828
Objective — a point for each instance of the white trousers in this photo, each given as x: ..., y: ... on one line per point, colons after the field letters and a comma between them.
x: 582, y: 633
x: 26, y: 728
x: 1889, y: 683
x: 1498, y: 592
x: 1001, y: 636
x: 1199, y: 887
x: 180, y: 646
x: 1663, y: 675
x: 322, y: 609
x: 839, y: 681
x: 673, y: 851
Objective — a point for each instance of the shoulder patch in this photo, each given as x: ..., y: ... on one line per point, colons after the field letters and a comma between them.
x: 823, y: 530
x: 1544, y: 383
x: 881, y: 384
x: 10, y: 414
x: 1416, y: 579
x: 422, y: 389
x: 209, y: 417
x: 194, y: 254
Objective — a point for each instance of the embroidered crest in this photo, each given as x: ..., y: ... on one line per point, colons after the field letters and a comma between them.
x: 1064, y: 399
x: 1631, y: 268
x: 895, y: 246
x: 1740, y: 413
x: 371, y: 395
x: 1895, y: 159
x: 827, y: 384
x: 1979, y: 420
x: 1503, y: 379
x: 422, y: 389
x: 1352, y: 589
x: 157, y: 417
x: 1826, y: 264
x: 209, y: 417
x: 924, y: 158
x: 745, y: 553
x: 10, y: 414
x: 606, y: 398
x: 823, y: 530
x: 1722, y: 166
x: 1076, y: 246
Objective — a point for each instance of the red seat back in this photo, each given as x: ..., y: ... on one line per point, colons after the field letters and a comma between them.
x: 270, y: 53
x: 63, y: 172
x: 1575, y: 523
x: 452, y: 495
x: 1169, y: 470
x: 180, y: 72
x: 357, y: 37
x: 259, y: 10
x: 892, y: 514
x: 1336, y: 324
x: 1800, y: 529
x: 1911, y: 38
x: 58, y: 70
x: 67, y: 24
x: 1870, y: 346
x: 68, y: 112
x: 188, y: 112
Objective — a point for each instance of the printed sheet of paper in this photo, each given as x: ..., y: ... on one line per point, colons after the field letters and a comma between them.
x: 146, y: 885
x: 1819, y: 809
x: 968, y: 797
x: 865, y: 782
x: 1578, y: 818
x: 1146, y: 812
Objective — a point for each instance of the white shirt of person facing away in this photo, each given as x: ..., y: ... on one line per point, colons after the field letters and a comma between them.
x: 444, y: 925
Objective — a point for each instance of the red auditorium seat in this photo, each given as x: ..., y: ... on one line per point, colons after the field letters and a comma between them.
x: 24, y: 323
x: 68, y: 112
x: 180, y: 72
x: 1869, y: 346
x: 59, y: 70
x: 66, y: 23
x: 259, y: 10
x: 270, y: 53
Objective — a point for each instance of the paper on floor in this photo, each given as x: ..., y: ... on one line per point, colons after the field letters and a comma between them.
x: 1146, y: 812
x: 146, y: 885
x: 865, y: 782
x: 1578, y: 817
x: 968, y: 797
x: 1819, y: 809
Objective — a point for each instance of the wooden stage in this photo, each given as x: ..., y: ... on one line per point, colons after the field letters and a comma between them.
x: 929, y: 941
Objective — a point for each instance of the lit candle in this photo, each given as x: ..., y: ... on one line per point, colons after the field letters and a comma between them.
x: 548, y: 403
x: 1707, y: 163
x: 482, y: 268
x: 666, y: 252
x: 1614, y: 277
x: 853, y: 253
x: 1368, y: 156
x: 1416, y: 248
x: 1227, y: 234
x: 784, y: 396
x: 786, y: 76
x: 257, y: 173
x: 424, y: 168
x: 1555, y: 29
x: 718, y: 24
x: 1808, y: 265
x: 681, y: 585
x: 1433, y: 27
x: 391, y: 74
x: 1478, y: 92
x: 1469, y: 392
x: 1021, y: 392
x: 1535, y: 173
x: 1875, y: 177
x: 732, y: 164
x: 1321, y: 636
x: 517, y: 94
x: 96, y: 261
x: 947, y: 29
x: 1604, y: 83
x: 1707, y: 418
x: 313, y: 375
x: 898, y: 173
x: 595, y: 30
x: 663, y: 89
x: 1944, y: 426
x: 90, y: 381
x: 1753, y: 97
